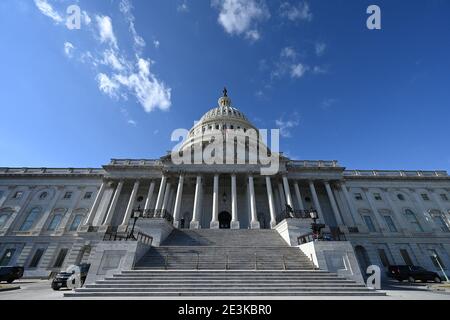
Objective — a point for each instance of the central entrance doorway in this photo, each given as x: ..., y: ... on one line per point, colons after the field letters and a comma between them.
x: 224, y: 220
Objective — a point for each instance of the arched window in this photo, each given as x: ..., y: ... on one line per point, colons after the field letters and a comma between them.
x: 439, y: 220
x: 31, y: 219
x: 54, y: 223
x: 3, y: 218
x: 76, y: 222
x: 411, y: 217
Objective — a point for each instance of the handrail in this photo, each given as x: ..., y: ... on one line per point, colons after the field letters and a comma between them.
x: 256, y: 261
x: 198, y: 259
x: 226, y: 263
x: 284, y: 262
x: 166, y: 261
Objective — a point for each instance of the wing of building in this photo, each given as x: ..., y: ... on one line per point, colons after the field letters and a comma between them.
x: 54, y: 217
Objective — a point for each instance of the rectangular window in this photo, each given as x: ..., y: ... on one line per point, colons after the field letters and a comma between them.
x: 437, y: 261
x: 18, y: 195
x: 383, y: 257
x: 68, y: 195
x: 443, y: 197
x: 390, y: 223
x: 358, y: 196
x: 60, y: 259
x: 377, y: 196
x: 88, y: 195
x: 7, y: 257
x: 369, y: 223
x: 441, y: 223
x: 425, y: 197
x: 405, y: 255
x: 36, y: 258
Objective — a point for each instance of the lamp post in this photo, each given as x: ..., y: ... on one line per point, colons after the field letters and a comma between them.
x: 137, y: 213
x: 440, y: 266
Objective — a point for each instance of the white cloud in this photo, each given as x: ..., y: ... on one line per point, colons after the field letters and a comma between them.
x: 117, y: 75
x: 126, y: 7
x: 320, y: 48
x: 48, y: 10
x: 319, y: 70
x: 288, y: 52
x: 241, y: 17
x: 286, y: 126
x: 300, y: 12
x: 183, y: 7
x: 298, y: 70
x: 68, y: 49
x: 110, y: 58
x: 107, y: 85
x: 156, y: 44
x: 150, y: 92
x: 106, y: 31
x: 328, y: 103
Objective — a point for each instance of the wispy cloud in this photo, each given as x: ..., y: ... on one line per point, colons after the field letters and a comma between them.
x: 47, y: 9
x: 299, y: 12
x: 69, y: 49
x: 241, y: 17
x: 328, y: 103
x: 183, y: 7
x: 288, y: 64
x: 320, y: 48
x: 117, y: 75
x: 286, y: 126
x: 106, y: 32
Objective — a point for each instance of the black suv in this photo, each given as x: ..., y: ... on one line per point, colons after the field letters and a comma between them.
x: 9, y: 274
x: 413, y: 273
x: 60, y: 280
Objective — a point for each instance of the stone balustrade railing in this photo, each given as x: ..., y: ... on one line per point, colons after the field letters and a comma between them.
x: 394, y: 173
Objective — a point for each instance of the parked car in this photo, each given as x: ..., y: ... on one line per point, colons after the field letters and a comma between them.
x: 9, y: 274
x: 60, y: 280
x: 412, y: 274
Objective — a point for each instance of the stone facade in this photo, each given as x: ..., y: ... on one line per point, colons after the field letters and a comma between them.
x: 51, y: 218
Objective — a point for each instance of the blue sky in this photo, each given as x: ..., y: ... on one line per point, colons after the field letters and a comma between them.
x: 137, y: 70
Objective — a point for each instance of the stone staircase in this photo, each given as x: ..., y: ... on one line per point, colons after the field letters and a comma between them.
x: 201, y: 283
x: 224, y: 250
x: 223, y: 263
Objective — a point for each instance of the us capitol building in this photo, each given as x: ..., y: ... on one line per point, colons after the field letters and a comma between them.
x: 51, y: 218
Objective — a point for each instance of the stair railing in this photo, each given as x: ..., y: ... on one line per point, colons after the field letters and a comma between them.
x: 166, y: 262
x: 198, y: 259
x: 284, y: 262
x: 226, y: 263
x: 256, y: 261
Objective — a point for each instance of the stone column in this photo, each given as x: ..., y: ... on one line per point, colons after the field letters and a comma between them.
x: 195, y: 223
x: 179, y: 196
x: 234, y: 212
x: 356, y: 218
x: 98, y: 199
x: 273, y: 214
x: 254, y: 224
x: 38, y: 228
x: 148, y: 201
x: 316, y: 201
x: 282, y: 196
x: 287, y: 191
x: 334, y: 206
x: 299, y: 196
x: 422, y: 215
x: 159, y: 200
x: 130, y: 205
x: 376, y: 214
x: 402, y: 223
x: 113, y: 205
x: 215, y: 207
x: 437, y: 199
x: 166, y: 199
